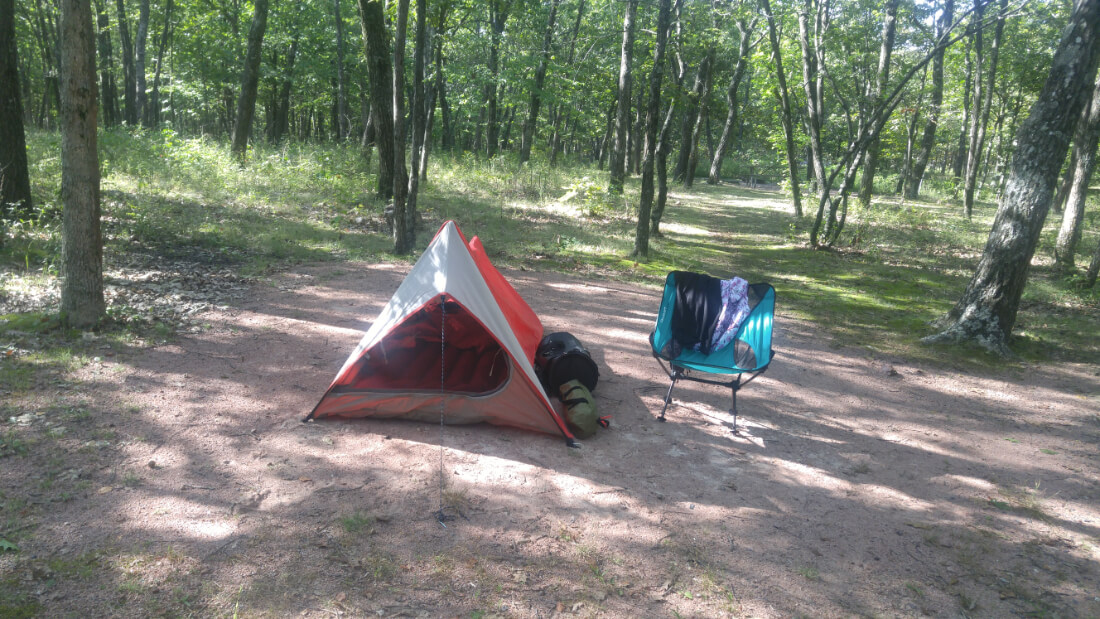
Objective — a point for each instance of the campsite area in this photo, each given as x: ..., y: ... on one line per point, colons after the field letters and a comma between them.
x: 166, y: 471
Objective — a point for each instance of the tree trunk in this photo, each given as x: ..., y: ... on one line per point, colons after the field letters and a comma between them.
x: 109, y: 98
x: 812, y: 84
x: 15, y: 184
x: 139, y: 59
x: 129, y: 98
x: 617, y: 165
x: 986, y: 312
x: 958, y: 166
x: 555, y: 139
x: 343, y: 124
x: 246, y: 103
x: 928, y: 140
x: 743, y: 49
x: 152, y: 110
x: 882, y: 75
x: 691, y: 144
x: 403, y: 232
x: 980, y: 117
x: 376, y: 45
x: 448, y: 137
x: 1064, y: 187
x: 784, y: 110
x: 1084, y: 148
x: 536, y: 90
x: 82, y: 301
x: 687, y: 122
x: 652, y: 118
x: 419, y: 115
x: 282, y: 104
x: 498, y: 16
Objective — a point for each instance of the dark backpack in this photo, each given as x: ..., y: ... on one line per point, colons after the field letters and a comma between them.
x: 561, y: 358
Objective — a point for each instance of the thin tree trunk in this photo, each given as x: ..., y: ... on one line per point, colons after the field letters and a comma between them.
x: 652, y: 119
x: 282, y: 103
x: 555, y: 139
x: 784, y: 110
x: 418, y: 113
x: 376, y: 46
x: 1066, y: 184
x: 139, y: 59
x: 109, y: 97
x: 691, y: 144
x: 617, y: 165
x: 870, y: 158
x: 82, y: 301
x: 1085, y: 141
x: 343, y: 124
x: 980, y: 118
x: 986, y: 312
x: 129, y: 98
x: 498, y: 16
x: 745, y: 31
x: 536, y: 90
x: 448, y: 137
x: 152, y: 110
x: 812, y: 84
x: 403, y: 231
x: 958, y: 166
x: 928, y: 140
x: 246, y: 103
x: 15, y: 185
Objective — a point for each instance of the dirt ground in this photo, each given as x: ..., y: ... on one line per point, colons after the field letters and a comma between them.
x: 178, y: 480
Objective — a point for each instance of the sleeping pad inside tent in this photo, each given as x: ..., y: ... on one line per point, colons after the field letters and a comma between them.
x: 456, y: 340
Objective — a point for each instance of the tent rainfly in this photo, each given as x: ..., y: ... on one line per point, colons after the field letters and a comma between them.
x: 455, y: 340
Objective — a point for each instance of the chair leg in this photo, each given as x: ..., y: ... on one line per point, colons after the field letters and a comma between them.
x: 733, y: 409
x: 668, y: 396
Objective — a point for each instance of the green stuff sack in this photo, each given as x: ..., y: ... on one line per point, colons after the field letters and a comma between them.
x: 580, y: 409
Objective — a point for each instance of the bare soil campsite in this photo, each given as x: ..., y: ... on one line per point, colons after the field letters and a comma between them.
x: 166, y: 471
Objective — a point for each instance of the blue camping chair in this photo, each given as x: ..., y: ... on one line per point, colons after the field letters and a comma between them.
x: 747, y: 355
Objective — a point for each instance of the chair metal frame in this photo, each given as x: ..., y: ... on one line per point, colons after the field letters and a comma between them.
x: 755, y: 330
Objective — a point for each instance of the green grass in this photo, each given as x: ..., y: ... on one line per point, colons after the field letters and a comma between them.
x: 898, y: 268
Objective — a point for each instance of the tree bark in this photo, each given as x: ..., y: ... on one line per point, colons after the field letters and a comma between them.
x: 928, y: 140
x: 109, y: 98
x: 813, y: 85
x: 536, y: 90
x: 129, y: 97
x: 652, y: 119
x: 870, y: 158
x: 986, y: 312
x: 958, y: 166
x: 743, y: 49
x: 15, y: 184
x: 82, y: 301
x: 448, y: 137
x: 617, y: 165
x: 403, y: 230
x: 1085, y: 141
x: 139, y: 59
x: 785, y: 116
x: 246, y: 103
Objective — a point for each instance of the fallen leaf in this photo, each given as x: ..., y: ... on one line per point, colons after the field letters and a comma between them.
x: 105, y: 489
x: 304, y: 479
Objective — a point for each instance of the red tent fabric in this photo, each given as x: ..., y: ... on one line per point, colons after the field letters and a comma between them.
x: 456, y: 340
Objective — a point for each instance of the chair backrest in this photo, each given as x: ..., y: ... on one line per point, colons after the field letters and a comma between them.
x: 755, y: 331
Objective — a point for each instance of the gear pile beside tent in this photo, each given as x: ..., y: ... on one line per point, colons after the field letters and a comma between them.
x: 455, y: 342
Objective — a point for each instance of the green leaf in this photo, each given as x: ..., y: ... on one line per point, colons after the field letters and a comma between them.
x: 6, y: 546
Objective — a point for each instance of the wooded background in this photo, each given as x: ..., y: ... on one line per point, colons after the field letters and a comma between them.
x: 827, y: 100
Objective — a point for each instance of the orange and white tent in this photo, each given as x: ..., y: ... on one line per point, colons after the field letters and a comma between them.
x: 456, y: 340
